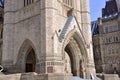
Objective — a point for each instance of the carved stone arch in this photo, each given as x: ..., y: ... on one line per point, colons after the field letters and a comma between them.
x: 82, y: 45
x: 26, y: 47
x: 70, y: 51
x: 76, y: 46
x: 74, y: 34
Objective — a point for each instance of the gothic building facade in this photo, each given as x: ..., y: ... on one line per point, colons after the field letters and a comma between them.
x: 50, y: 38
x: 106, y: 39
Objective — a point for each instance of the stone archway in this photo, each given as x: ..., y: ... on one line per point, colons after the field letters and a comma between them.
x: 69, y: 53
x: 75, y: 48
x: 26, y: 57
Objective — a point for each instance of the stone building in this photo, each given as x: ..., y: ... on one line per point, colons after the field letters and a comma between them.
x: 106, y: 39
x: 51, y: 38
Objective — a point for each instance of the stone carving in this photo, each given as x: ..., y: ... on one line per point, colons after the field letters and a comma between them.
x: 67, y: 63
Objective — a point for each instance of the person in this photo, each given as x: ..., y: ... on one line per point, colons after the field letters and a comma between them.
x: 92, y: 77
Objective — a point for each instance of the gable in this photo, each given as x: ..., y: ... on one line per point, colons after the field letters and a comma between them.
x: 71, y: 24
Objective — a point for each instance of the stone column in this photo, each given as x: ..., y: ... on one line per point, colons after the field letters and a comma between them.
x: 8, y: 34
x: 53, y: 59
x: 86, y: 29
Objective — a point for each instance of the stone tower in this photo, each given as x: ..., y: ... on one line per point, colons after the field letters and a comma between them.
x: 49, y: 37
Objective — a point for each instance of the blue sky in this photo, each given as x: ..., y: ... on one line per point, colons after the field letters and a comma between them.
x: 96, y: 8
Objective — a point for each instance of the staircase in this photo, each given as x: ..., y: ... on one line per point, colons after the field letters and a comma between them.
x: 77, y: 78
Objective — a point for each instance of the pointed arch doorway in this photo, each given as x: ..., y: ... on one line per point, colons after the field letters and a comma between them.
x: 30, y: 61
x: 74, y: 64
x: 27, y: 57
x: 75, y: 49
x: 70, y: 60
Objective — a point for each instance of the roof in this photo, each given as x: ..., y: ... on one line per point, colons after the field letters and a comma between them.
x: 112, y: 7
x: 94, y: 28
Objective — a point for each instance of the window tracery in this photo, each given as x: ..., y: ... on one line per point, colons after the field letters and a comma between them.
x: 28, y: 2
x: 68, y: 2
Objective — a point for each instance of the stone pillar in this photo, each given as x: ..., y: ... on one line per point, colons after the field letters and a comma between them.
x: 54, y: 65
x: 86, y: 30
x: 8, y: 34
x: 53, y: 61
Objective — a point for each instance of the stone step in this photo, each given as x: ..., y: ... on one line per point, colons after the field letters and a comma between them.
x: 78, y: 78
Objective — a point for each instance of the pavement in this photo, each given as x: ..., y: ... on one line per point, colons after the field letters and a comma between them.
x: 78, y: 78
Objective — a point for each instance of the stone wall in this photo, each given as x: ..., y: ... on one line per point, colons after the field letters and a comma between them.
x: 111, y: 77
x: 34, y: 76
x: 10, y: 77
x: 108, y: 76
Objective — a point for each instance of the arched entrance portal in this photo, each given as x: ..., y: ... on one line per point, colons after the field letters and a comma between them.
x: 75, y: 56
x: 30, y: 61
x: 27, y: 57
x: 69, y: 61
x: 73, y: 65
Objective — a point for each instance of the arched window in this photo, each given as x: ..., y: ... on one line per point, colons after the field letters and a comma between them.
x: 27, y: 2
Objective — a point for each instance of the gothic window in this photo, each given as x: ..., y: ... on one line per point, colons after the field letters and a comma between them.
x: 68, y: 2
x: 116, y: 38
x: 112, y: 51
x: 27, y: 2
